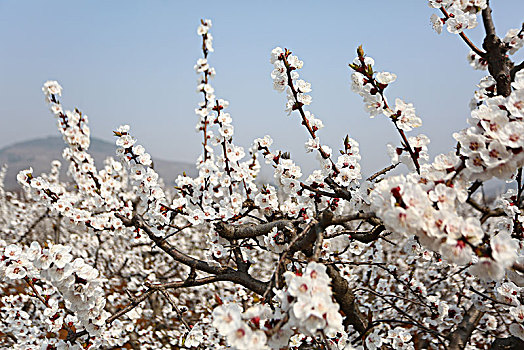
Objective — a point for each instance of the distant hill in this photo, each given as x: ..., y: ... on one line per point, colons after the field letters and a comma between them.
x: 39, y: 153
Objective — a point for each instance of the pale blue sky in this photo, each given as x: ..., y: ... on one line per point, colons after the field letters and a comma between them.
x: 132, y: 62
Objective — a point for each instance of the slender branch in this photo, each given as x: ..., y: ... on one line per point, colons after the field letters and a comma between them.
x: 134, y: 303
x: 486, y: 212
x: 319, y: 191
x: 35, y: 292
x: 364, y: 237
x: 177, y: 310
x: 251, y: 230
x: 464, y: 37
x: 305, y: 121
x: 382, y: 172
x: 190, y: 282
x: 408, y: 146
x: 488, y: 297
x: 33, y: 225
x: 137, y: 222
x: 339, y: 220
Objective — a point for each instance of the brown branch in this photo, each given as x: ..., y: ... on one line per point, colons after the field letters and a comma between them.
x: 518, y: 267
x: 305, y: 121
x: 414, y: 157
x: 339, y: 190
x: 190, y: 282
x: 487, y: 20
x: 339, y: 220
x: 459, y: 338
x: 229, y: 274
x: 346, y: 299
x: 230, y: 232
x: 487, y: 297
x: 499, y: 65
x: 464, y: 37
x: 137, y: 222
x: 306, y: 243
x: 177, y: 310
x: 35, y: 292
x: 364, y: 237
x: 382, y: 172
x: 486, y: 212
x: 275, y: 278
x: 135, y: 301
x: 319, y: 191
x: 33, y: 225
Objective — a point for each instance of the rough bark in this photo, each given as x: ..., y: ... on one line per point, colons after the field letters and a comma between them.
x: 347, y: 301
x: 499, y: 65
x: 459, y: 338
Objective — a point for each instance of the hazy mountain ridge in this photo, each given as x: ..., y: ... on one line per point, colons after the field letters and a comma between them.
x: 38, y: 154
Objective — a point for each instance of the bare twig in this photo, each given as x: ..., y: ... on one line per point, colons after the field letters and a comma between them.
x: 382, y: 172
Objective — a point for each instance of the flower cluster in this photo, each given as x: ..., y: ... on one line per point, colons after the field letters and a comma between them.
x: 78, y: 283
x: 514, y: 40
x: 286, y: 77
x: 401, y: 154
x: 96, y: 188
x: 458, y: 15
x: 242, y: 329
x: 371, y: 85
x: 308, y: 301
x: 430, y: 212
x: 145, y: 179
x: 492, y: 146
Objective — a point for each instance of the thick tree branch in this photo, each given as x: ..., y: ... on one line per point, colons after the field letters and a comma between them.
x: 347, y: 301
x: 340, y: 191
x: 487, y: 21
x: 486, y: 212
x: 459, y: 338
x: 518, y: 267
x: 305, y: 244
x: 499, y: 65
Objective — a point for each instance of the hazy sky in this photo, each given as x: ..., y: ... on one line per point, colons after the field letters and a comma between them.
x: 132, y: 62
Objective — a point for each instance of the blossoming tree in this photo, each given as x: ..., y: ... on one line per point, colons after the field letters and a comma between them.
x: 327, y: 260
